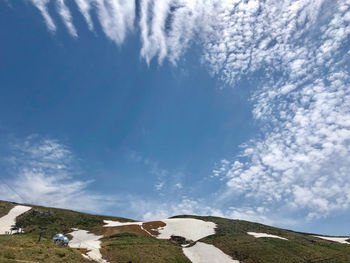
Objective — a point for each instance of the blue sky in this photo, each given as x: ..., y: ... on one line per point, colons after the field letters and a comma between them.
x: 149, y: 109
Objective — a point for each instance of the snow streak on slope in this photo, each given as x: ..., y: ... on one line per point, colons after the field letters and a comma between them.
x: 111, y: 223
x: 89, y: 241
x: 342, y: 240
x: 10, y: 219
x: 205, y: 253
x: 258, y: 235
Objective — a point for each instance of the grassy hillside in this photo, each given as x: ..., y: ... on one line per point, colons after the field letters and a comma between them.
x: 5, y: 207
x: 54, y: 220
x: 130, y: 243
x: 231, y: 237
x: 122, y: 244
x: 25, y: 247
x: 139, y: 248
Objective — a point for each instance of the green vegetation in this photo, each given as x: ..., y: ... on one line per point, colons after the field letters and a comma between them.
x: 125, y: 247
x: 133, y: 245
x: 56, y: 220
x: 231, y: 237
x: 53, y: 220
x: 25, y: 247
x: 5, y: 207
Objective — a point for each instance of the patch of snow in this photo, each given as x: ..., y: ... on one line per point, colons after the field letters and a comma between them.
x: 89, y: 241
x: 258, y: 235
x: 189, y: 228
x: 146, y: 230
x: 341, y: 240
x: 111, y: 223
x: 10, y: 219
x: 205, y: 253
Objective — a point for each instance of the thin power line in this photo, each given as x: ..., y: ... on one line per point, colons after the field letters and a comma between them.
x: 13, y: 190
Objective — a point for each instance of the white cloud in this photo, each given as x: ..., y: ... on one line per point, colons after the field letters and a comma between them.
x: 178, y: 186
x: 155, y: 210
x: 42, y: 6
x: 252, y: 35
x: 303, y: 161
x: 43, y: 174
x: 158, y: 186
x: 116, y: 17
x: 84, y: 8
x: 160, y: 175
x: 165, y: 182
x: 169, y: 27
x: 238, y: 36
x: 152, y: 25
x: 66, y: 17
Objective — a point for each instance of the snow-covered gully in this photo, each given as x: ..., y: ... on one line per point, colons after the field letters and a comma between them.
x: 205, y: 253
x: 89, y: 241
x: 7, y: 221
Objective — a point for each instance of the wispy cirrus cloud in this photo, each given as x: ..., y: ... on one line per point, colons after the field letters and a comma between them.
x: 64, y: 12
x: 42, y: 173
x: 167, y: 28
x: 116, y: 17
x: 42, y: 7
x: 165, y: 181
x: 84, y: 8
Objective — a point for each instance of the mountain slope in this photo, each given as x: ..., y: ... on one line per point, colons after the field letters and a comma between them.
x: 232, y: 238
x: 137, y: 241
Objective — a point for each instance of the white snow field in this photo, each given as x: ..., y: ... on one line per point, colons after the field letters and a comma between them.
x: 205, y: 253
x: 341, y: 240
x: 189, y: 228
x: 10, y: 219
x: 258, y: 235
x: 89, y: 241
